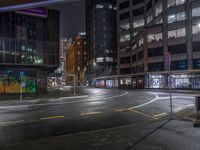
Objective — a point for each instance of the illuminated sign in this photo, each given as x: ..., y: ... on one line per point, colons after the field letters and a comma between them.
x: 39, y: 11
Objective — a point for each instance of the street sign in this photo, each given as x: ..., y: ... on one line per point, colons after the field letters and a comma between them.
x: 21, y: 73
x: 23, y: 84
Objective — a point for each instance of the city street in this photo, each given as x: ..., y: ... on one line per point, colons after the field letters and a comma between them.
x: 101, y: 109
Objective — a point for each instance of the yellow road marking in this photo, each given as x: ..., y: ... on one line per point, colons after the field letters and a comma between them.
x: 159, y: 115
x: 11, y: 122
x: 52, y: 117
x: 91, y: 113
x: 143, y: 114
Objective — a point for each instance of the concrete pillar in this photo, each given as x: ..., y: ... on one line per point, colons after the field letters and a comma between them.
x: 189, y: 34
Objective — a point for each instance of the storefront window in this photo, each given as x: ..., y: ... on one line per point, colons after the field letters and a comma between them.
x: 181, y: 81
x: 10, y: 81
x: 156, y: 81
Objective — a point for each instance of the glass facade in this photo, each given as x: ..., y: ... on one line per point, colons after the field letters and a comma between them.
x: 28, y: 44
x: 102, y: 36
x: 28, y: 39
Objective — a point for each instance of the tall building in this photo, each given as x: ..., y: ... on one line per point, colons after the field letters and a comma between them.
x: 29, y: 49
x: 101, y: 37
x: 150, y: 30
x: 76, y: 58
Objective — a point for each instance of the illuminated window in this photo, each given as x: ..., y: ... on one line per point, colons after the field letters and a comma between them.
x: 196, y: 12
x: 138, y: 23
x: 109, y: 59
x: 155, y: 37
x: 171, y: 3
x: 176, y: 33
x: 158, y: 9
x: 196, y: 29
x: 180, y: 16
x: 100, y: 59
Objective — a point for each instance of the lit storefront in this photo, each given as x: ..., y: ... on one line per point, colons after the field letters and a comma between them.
x: 156, y: 81
x: 10, y: 81
x: 106, y: 83
x: 178, y: 81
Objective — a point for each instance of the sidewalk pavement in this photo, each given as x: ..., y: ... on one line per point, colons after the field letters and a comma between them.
x: 175, y: 135
x: 164, y: 134
x: 43, y: 98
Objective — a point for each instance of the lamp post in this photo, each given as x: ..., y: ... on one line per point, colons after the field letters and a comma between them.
x: 168, y: 66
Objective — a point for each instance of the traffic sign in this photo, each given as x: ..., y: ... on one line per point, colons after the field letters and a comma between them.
x: 21, y: 73
x: 23, y: 84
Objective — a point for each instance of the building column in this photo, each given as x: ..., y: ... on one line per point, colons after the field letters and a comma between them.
x: 165, y: 33
x: 189, y: 34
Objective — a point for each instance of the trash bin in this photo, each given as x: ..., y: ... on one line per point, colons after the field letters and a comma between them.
x: 197, y: 102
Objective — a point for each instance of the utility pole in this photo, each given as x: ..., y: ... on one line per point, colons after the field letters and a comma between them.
x: 168, y: 66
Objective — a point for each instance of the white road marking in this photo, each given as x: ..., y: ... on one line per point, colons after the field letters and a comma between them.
x: 184, y: 107
x: 141, y: 105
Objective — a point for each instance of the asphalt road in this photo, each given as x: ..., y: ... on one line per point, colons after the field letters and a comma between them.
x: 100, y: 109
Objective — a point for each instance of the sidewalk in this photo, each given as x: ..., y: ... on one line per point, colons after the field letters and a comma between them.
x: 175, y: 135
x: 14, y: 100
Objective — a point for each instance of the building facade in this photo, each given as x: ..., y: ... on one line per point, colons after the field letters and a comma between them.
x: 29, y: 50
x: 76, y: 58
x: 153, y: 33
x: 101, y: 37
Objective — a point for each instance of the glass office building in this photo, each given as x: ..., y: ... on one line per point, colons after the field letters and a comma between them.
x: 29, y: 50
x: 101, y: 37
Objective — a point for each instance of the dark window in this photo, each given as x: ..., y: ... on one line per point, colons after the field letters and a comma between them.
x: 125, y: 70
x: 140, y: 55
x: 134, y: 58
x: 140, y: 68
x: 149, y: 5
x: 138, y: 11
x: 124, y: 16
x: 152, y: 52
x: 9, y: 57
x: 177, y: 49
x: 125, y: 60
x: 196, y: 63
x: 124, y: 5
x: 31, y: 33
x: 1, y: 57
x: 179, y: 65
x: 134, y: 70
x: 196, y: 46
x: 137, y: 1
x: 155, y: 67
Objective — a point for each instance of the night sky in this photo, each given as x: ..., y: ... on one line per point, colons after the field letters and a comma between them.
x: 72, y: 16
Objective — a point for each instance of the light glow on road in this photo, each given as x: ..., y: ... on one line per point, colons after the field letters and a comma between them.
x: 91, y: 113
